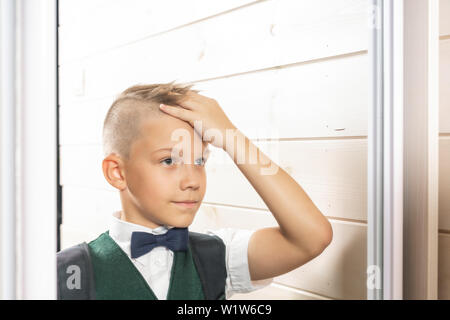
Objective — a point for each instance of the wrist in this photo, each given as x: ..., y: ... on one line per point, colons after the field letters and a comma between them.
x: 235, y: 144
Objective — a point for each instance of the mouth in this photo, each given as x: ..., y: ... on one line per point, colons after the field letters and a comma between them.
x: 186, y: 204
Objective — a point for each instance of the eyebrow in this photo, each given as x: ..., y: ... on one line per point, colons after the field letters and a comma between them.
x: 169, y: 149
x: 207, y: 149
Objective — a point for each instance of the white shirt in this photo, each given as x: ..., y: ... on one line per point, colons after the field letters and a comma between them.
x: 155, y: 266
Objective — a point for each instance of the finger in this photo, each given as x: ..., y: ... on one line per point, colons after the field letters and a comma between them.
x: 188, y: 103
x: 179, y: 99
x: 192, y: 100
x: 178, y: 112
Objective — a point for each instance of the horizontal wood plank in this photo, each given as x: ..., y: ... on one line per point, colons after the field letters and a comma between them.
x: 125, y: 21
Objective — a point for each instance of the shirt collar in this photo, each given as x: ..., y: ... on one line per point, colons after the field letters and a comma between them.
x: 121, y: 230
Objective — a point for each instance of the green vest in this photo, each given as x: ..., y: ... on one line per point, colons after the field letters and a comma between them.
x: 117, y: 278
x: 200, y: 272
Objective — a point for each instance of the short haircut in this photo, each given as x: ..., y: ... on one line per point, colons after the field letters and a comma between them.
x: 123, y: 119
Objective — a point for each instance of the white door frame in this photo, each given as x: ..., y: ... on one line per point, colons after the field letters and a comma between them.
x: 403, y: 149
x: 385, y: 152
x: 29, y: 98
x: 7, y: 149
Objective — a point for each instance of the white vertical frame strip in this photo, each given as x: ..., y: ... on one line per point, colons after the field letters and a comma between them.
x: 393, y: 149
x: 37, y: 144
x: 421, y: 149
x: 375, y: 156
x: 8, y: 149
x: 385, y: 152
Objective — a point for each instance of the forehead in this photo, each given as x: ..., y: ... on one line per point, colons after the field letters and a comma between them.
x: 167, y: 132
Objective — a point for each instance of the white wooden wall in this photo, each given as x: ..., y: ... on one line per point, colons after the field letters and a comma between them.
x: 297, y: 69
x: 444, y: 153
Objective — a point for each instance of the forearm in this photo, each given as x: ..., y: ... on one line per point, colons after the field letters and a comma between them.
x: 300, y: 221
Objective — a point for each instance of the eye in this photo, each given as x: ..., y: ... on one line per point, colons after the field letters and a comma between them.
x: 203, y: 161
x: 170, y: 161
x: 167, y: 159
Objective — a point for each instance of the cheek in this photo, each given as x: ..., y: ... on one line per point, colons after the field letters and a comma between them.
x: 203, y: 183
x: 147, y: 182
x: 158, y: 184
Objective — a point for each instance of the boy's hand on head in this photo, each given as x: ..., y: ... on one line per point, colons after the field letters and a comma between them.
x: 303, y: 232
x: 204, y: 114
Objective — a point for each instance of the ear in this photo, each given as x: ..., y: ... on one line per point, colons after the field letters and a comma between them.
x: 113, y: 171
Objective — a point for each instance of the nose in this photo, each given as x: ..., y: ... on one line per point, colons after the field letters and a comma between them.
x: 190, y: 176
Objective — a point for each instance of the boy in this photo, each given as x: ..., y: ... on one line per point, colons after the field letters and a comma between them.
x: 148, y: 252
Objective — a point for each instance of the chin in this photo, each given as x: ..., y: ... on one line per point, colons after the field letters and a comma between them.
x: 182, y: 223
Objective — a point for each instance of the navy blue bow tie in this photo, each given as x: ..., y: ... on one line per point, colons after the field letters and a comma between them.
x: 176, y: 239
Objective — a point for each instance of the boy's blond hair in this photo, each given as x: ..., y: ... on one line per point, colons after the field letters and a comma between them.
x: 122, y: 121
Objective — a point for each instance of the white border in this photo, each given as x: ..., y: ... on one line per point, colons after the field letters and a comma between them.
x: 37, y: 145
x: 7, y: 148
x: 393, y: 150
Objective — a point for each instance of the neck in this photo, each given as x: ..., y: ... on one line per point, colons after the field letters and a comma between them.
x: 136, y: 219
x: 131, y: 214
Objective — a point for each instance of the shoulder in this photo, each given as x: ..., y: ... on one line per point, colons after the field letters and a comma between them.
x: 74, y: 271
x: 76, y: 252
x: 232, y: 236
x: 103, y: 245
